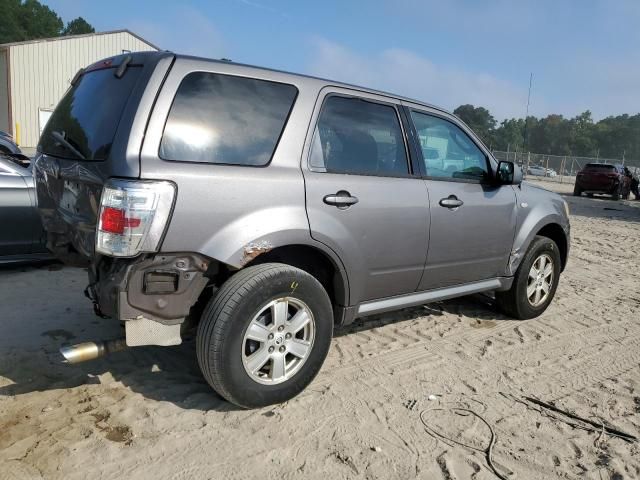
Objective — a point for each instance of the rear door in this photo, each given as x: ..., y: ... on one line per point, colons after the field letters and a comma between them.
x: 472, y: 220
x: 363, y: 199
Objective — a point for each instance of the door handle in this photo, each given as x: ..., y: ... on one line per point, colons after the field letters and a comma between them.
x: 451, y: 202
x: 341, y: 199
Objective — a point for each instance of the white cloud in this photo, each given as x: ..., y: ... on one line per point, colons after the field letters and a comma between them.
x: 189, y: 32
x: 406, y: 73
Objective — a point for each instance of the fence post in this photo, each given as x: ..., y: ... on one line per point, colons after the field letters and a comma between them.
x: 562, y: 165
x: 528, y: 160
x: 546, y: 169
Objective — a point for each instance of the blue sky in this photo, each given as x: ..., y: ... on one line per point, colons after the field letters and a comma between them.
x: 584, y: 54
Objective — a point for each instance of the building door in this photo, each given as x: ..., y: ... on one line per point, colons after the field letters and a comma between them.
x: 43, y: 117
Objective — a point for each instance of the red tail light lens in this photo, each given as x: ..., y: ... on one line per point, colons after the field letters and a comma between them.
x: 113, y: 220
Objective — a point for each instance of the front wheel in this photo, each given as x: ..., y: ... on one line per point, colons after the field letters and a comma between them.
x: 264, y: 335
x: 535, y: 281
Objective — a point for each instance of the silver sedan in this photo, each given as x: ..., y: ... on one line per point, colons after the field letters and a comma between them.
x: 21, y: 235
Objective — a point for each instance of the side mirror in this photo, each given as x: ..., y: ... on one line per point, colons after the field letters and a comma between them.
x: 508, y: 173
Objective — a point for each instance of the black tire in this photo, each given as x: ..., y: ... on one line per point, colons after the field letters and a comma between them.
x: 617, y: 193
x: 514, y: 302
x: 576, y: 191
x: 230, y: 312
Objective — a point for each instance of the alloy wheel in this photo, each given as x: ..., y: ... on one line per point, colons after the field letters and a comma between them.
x: 540, y: 280
x: 278, y: 341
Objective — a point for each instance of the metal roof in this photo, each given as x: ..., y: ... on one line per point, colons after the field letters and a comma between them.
x: 69, y: 37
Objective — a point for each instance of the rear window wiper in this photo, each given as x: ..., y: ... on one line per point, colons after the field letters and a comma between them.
x: 119, y: 73
x: 59, y: 137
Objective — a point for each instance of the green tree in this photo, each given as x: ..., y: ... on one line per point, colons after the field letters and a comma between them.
x: 10, y: 27
x: 582, y: 135
x: 480, y: 121
x: 510, y: 135
x: 30, y: 20
x: 39, y: 21
x: 78, y: 26
x: 549, y: 135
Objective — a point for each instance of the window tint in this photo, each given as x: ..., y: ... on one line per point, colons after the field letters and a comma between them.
x: 226, y: 119
x: 357, y: 136
x: 447, y: 151
x: 84, y: 123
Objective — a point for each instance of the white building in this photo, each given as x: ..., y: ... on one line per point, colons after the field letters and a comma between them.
x: 34, y: 75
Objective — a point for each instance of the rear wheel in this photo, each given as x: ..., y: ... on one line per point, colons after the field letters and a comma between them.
x: 576, y: 191
x: 535, y: 282
x: 616, y: 195
x: 264, y: 335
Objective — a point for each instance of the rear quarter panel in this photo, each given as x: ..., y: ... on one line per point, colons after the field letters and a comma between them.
x: 233, y: 213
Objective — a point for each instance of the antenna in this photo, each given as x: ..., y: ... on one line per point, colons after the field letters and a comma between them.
x: 526, y: 117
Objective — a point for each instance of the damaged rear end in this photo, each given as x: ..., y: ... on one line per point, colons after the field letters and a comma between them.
x: 98, y: 213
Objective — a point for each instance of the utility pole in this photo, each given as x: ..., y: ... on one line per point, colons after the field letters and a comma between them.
x: 526, y: 117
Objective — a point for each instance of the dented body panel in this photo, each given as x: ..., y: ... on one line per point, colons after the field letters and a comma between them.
x: 537, y: 208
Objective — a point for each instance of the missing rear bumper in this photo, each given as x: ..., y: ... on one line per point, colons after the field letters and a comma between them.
x: 152, y: 295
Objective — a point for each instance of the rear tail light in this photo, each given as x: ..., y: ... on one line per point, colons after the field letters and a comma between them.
x: 133, y: 216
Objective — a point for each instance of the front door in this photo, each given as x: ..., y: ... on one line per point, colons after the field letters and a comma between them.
x: 362, y: 199
x: 473, y: 220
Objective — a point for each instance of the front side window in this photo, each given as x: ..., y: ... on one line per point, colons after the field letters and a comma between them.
x: 357, y: 136
x: 447, y: 151
x: 225, y: 119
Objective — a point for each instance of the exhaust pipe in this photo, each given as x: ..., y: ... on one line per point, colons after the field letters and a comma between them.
x: 83, y: 352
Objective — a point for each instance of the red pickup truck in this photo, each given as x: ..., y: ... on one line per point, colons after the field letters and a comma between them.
x: 604, y: 178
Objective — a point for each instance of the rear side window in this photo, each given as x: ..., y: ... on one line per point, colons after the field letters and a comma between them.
x: 85, y: 121
x: 225, y: 119
x: 359, y: 137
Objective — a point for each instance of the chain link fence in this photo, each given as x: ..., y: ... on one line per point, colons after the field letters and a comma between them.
x: 555, y: 168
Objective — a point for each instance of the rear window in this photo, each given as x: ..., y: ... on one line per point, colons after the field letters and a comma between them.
x: 600, y: 167
x: 224, y: 119
x: 85, y: 121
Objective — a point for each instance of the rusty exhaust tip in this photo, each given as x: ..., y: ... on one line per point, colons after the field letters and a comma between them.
x: 86, y: 351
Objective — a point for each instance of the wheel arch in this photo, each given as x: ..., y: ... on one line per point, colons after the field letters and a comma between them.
x: 315, y: 261
x: 556, y: 233
x: 549, y: 226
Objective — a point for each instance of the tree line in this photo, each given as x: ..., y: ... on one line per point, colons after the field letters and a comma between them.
x: 611, y: 137
x: 30, y: 20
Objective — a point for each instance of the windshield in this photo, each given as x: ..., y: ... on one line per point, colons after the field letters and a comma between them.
x: 84, y: 123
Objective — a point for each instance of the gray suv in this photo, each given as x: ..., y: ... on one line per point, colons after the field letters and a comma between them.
x: 266, y: 208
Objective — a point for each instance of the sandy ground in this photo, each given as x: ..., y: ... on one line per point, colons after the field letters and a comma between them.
x: 147, y: 413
